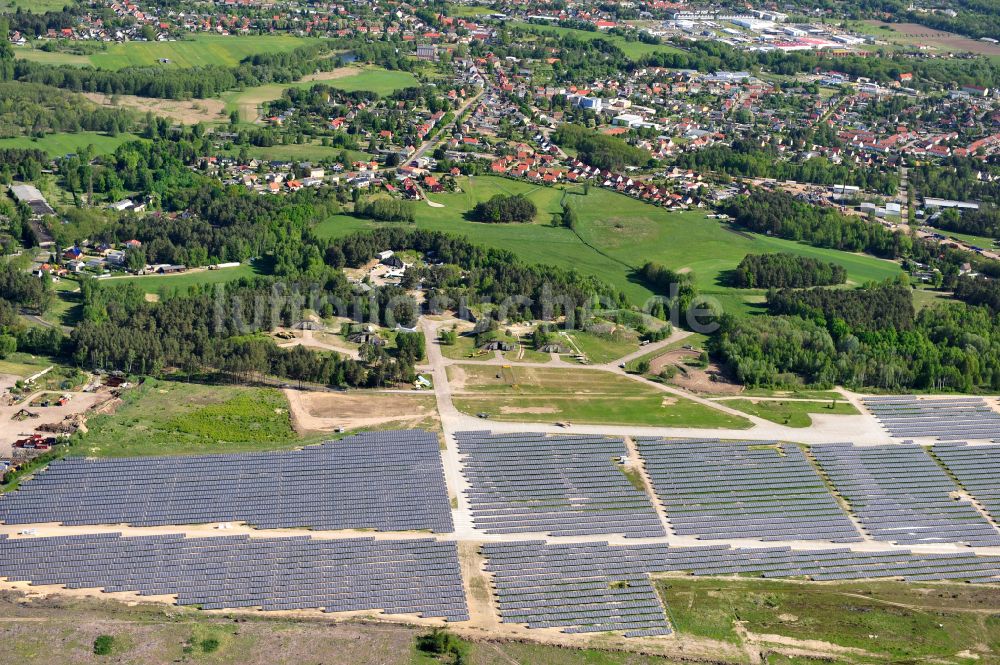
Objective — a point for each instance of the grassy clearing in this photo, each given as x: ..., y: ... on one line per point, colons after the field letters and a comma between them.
x: 64, y: 143
x: 161, y: 284
x: 616, y: 235
x: 602, y: 349
x: 632, y: 50
x: 912, y: 622
x: 23, y: 364
x: 533, y: 394
x: 173, y: 418
x: 818, y: 395
x: 32, y: 6
x: 375, y: 79
x: 198, y: 51
x: 792, y: 414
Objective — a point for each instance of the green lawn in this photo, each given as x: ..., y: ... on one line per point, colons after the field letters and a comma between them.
x: 182, y: 281
x: 913, y: 622
x: 33, y: 6
x: 616, y: 235
x: 64, y: 143
x: 533, y: 394
x: 791, y: 413
x: 23, y: 364
x: 173, y: 418
x: 601, y: 349
x: 195, y: 52
x: 375, y: 79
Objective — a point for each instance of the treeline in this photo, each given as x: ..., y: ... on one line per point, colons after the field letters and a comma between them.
x: 781, y: 214
x: 384, y: 209
x: 784, y: 270
x: 746, y: 159
x: 479, y: 273
x: 36, y: 110
x: 179, y: 83
x: 198, y: 332
x: 600, y: 150
x: 505, y: 208
x: 873, y: 308
x: 982, y: 222
x: 949, y: 347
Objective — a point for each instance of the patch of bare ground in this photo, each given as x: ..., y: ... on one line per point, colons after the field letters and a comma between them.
x: 946, y: 41
x: 326, y: 411
x: 339, y: 73
x: 710, y: 380
x: 186, y: 112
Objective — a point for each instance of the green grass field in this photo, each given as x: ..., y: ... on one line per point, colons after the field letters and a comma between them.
x: 615, y: 235
x: 195, y: 52
x: 23, y: 364
x: 375, y: 79
x: 64, y: 143
x: 914, y: 623
x: 182, y: 281
x: 632, y: 50
x: 791, y: 413
x: 601, y: 349
x: 173, y: 418
x: 533, y: 394
x: 33, y: 6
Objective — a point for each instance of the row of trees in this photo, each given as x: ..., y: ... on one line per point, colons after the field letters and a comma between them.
x: 784, y: 270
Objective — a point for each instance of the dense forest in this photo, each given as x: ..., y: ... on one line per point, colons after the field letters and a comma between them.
x: 781, y: 270
x: 600, y: 150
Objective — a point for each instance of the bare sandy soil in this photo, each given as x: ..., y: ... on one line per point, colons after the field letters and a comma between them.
x: 695, y: 379
x: 324, y: 412
x: 914, y: 33
x: 11, y: 430
x: 186, y: 112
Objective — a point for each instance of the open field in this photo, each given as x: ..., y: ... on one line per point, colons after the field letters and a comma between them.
x: 33, y: 6
x: 173, y: 418
x: 533, y: 394
x: 23, y: 364
x: 615, y: 235
x: 182, y: 281
x: 64, y: 143
x: 632, y: 50
x: 62, y: 629
x: 186, y: 112
x: 791, y: 413
x: 601, y: 349
x: 314, y: 412
x: 195, y: 52
x: 850, y: 622
x: 912, y: 35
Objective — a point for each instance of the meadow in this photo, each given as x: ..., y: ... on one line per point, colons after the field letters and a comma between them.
x: 614, y: 236
x: 173, y: 418
x: 791, y: 413
x: 632, y: 50
x: 65, y: 143
x: 536, y: 394
x: 198, y: 51
x: 913, y: 622
x: 159, y: 284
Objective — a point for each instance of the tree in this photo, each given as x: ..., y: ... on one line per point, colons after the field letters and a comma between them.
x: 8, y: 345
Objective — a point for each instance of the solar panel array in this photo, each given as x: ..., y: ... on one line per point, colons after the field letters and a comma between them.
x: 377, y: 480
x: 949, y: 419
x: 596, y: 587
x: 557, y: 485
x: 900, y: 495
x: 977, y: 468
x: 419, y: 576
x: 745, y: 489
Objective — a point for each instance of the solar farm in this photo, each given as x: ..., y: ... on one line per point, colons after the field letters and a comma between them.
x: 559, y: 485
x: 743, y: 489
x: 947, y: 419
x: 387, y: 481
x: 564, y: 538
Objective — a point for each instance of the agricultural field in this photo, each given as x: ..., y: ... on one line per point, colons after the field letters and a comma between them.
x: 860, y: 622
x: 612, y: 246
x: 64, y: 143
x: 791, y: 413
x: 174, y: 418
x: 36, y: 6
x: 909, y: 36
x: 632, y: 50
x: 533, y: 394
x: 198, y: 51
